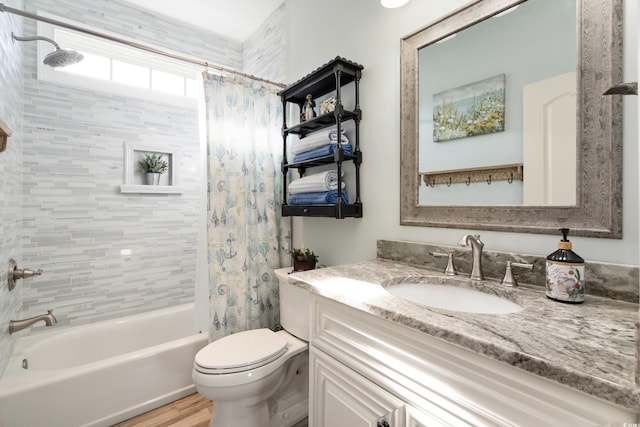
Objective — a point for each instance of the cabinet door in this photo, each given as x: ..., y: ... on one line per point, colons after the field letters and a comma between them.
x: 340, y: 397
x: 417, y: 418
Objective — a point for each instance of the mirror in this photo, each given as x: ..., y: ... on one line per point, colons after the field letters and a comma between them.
x: 522, y: 61
x: 597, y: 209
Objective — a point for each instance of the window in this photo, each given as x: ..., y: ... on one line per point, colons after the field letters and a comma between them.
x: 119, y: 69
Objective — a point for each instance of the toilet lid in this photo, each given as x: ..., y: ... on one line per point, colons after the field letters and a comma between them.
x: 242, y: 351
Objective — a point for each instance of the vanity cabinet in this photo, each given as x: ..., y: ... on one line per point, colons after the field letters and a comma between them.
x: 342, y: 397
x: 326, y: 80
x: 367, y: 371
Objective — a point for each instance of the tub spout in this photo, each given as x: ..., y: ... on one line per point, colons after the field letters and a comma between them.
x: 18, y: 325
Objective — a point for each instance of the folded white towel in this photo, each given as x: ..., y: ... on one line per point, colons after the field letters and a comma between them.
x: 308, y: 144
x: 317, y: 139
x: 323, y: 181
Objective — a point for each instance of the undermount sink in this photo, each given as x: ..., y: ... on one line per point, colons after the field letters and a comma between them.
x: 453, y: 298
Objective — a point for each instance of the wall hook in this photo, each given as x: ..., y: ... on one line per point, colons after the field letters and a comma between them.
x: 433, y: 183
x: 449, y: 183
x: 489, y: 180
x: 468, y: 181
x: 510, y: 180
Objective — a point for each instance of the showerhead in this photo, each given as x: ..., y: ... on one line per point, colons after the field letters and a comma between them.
x: 59, y: 57
x: 62, y: 58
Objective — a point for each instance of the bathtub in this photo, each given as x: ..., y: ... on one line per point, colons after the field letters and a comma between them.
x: 103, y: 373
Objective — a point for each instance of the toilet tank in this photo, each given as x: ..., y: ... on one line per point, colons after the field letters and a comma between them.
x: 295, y: 306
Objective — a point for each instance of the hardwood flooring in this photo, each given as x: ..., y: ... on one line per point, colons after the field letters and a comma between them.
x: 191, y: 411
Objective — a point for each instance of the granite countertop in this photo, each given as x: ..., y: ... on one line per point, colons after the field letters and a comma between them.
x: 589, y: 347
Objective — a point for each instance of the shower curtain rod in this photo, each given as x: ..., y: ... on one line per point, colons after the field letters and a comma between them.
x: 141, y: 46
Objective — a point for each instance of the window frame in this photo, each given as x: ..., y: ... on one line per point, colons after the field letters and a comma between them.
x: 113, y: 51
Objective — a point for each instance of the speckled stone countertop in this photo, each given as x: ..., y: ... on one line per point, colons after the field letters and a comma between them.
x: 590, y: 347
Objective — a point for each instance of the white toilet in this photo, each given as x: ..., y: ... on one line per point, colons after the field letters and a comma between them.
x: 260, y: 378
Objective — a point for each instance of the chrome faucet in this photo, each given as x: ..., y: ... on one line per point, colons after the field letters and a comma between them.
x: 18, y: 325
x: 476, y: 244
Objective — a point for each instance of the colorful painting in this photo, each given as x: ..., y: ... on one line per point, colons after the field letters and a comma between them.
x: 469, y: 110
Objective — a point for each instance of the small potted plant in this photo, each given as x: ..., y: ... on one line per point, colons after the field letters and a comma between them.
x: 303, y: 259
x: 153, y: 165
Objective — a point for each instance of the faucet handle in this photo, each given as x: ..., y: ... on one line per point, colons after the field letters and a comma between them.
x: 25, y: 273
x: 509, y: 279
x: 451, y: 268
x: 14, y: 273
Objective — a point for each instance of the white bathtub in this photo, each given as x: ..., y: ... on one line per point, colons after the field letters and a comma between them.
x: 103, y: 373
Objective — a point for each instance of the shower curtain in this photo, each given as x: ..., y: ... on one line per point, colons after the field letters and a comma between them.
x: 247, y: 238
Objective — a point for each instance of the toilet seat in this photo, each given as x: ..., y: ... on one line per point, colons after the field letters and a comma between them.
x: 241, y: 352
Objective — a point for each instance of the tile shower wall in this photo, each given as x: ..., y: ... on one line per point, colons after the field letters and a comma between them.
x: 107, y: 254
x: 265, y: 51
x: 11, y: 88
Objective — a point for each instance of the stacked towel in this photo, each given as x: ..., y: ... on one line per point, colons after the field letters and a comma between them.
x: 318, y: 182
x: 319, y: 188
x: 318, y: 140
x: 322, y: 151
x: 317, y: 198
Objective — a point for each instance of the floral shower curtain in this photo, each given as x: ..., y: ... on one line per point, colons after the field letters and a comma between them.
x: 247, y: 238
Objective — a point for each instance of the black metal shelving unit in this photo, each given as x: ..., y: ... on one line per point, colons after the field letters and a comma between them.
x: 329, y: 78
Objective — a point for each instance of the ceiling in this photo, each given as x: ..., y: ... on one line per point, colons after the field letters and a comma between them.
x: 235, y: 19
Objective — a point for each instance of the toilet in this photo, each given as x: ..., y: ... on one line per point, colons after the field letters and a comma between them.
x: 260, y: 378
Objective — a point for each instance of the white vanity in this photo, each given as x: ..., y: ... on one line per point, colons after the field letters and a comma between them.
x: 379, y: 360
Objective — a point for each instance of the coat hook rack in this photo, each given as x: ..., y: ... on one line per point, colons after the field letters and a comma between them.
x: 488, y: 174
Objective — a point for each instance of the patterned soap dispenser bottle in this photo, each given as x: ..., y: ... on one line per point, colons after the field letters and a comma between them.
x: 565, y: 273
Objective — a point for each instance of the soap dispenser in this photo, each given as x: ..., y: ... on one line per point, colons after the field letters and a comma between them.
x: 565, y: 273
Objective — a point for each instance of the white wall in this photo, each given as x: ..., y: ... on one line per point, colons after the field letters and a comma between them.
x: 365, y: 32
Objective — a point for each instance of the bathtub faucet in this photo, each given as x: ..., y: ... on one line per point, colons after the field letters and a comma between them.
x: 18, y: 325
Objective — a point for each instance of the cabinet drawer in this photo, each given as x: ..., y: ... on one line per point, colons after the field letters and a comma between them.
x: 453, y: 384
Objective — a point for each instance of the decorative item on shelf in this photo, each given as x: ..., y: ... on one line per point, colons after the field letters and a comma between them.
x: 153, y: 165
x: 303, y: 259
x: 328, y: 105
x: 308, y: 109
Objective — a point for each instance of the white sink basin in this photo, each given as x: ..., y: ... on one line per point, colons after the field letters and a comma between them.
x: 453, y: 298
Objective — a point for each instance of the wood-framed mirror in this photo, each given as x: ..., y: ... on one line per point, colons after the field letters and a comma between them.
x: 597, y: 211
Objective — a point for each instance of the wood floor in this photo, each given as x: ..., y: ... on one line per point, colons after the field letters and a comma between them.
x: 191, y: 411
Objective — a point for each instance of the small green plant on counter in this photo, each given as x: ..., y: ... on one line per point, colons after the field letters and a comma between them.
x: 302, y: 254
x: 153, y: 163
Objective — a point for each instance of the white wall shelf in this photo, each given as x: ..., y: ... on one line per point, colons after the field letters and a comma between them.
x: 134, y: 180
x: 151, y: 189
